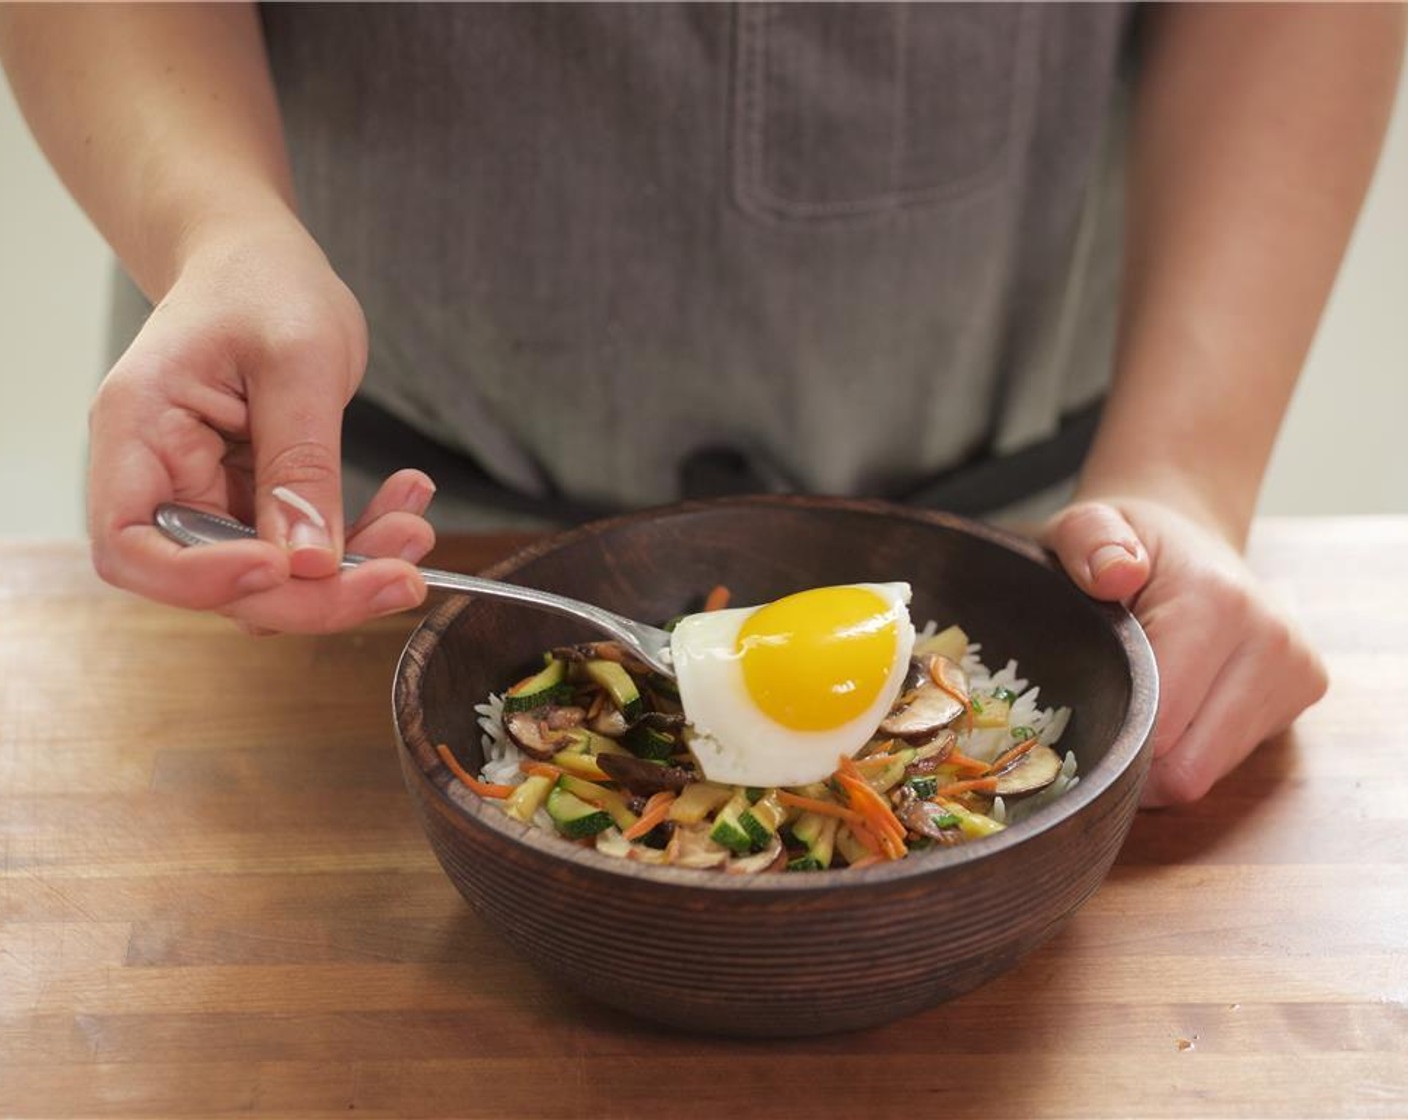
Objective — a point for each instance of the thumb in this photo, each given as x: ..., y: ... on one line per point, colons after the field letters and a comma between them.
x: 1099, y: 549
x: 296, y: 435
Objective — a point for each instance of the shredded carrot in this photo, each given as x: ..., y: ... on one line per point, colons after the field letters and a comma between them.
x: 961, y: 761
x: 483, y: 789
x: 542, y: 769
x: 879, y: 817
x: 870, y: 804
x: 815, y: 805
x: 974, y: 785
x: 718, y: 598
x: 866, y: 861
x: 656, y: 810
x: 1008, y: 757
x: 875, y: 762
x: 848, y: 766
x: 882, y: 843
x: 867, y: 839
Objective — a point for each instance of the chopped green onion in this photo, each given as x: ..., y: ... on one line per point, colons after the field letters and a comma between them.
x: 976, y: 705
x: 1004, y: 694
x: 945, y: 820
x: 1023, y: 733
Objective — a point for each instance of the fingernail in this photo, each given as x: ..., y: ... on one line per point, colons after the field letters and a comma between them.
x: 301, y: 504
x: 1106, y: 556
x: 305, y: 534
x: 421, y: 497
x: 256, y: 580
x: 398, y: 596
x: 414, y: 552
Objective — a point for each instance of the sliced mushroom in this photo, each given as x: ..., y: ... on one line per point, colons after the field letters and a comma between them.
x: 542, y: 732
x: 921, y: 817
x: 924, y: 707
x: 949, y: 676
x: 609, y: 722
x: 640, y: 776
x: 1032, y: 772
x: 610, y: 842
x: 690, y: 846
x: 661, y: 721
x: 771, y: 858
x: 561, y: 717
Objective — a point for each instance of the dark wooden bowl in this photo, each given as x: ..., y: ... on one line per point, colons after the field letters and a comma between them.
x: 785, y: 953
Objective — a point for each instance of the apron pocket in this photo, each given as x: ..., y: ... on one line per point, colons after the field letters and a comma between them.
x: 844, y: 110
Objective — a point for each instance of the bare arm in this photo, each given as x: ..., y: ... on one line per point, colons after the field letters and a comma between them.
x: 1256, y: 133
x: 162, y: 121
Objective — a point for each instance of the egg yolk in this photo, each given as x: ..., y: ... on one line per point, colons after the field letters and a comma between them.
x: 818, y: 659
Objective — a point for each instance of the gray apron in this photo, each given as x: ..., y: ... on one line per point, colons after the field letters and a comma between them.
x: 611, y: 256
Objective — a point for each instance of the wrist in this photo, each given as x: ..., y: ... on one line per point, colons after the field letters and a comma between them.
x: 1185, y: 492
x: 186, y: 222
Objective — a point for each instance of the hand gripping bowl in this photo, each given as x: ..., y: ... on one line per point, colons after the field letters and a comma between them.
x: 786, y: 953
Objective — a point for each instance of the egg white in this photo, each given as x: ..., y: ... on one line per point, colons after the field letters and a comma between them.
x: 736, y: 743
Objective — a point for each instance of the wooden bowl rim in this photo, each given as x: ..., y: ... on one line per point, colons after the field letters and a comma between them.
x: 1134, y: 734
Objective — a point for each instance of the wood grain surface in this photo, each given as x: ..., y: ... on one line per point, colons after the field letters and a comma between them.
x: 214, y: 900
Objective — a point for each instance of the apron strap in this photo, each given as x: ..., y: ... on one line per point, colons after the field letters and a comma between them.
x: 381, y: 443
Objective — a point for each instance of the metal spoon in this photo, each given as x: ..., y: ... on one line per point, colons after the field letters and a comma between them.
x: 189, y: 526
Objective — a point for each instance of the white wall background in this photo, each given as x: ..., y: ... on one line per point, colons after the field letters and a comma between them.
x: 1342, y: 449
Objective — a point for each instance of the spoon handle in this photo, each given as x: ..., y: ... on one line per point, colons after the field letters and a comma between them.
x: 189, y: 526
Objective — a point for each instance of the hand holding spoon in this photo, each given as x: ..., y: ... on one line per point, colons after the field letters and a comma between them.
x: 189, y: 526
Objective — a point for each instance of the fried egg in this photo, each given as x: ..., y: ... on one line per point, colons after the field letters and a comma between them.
x: 776, y: 694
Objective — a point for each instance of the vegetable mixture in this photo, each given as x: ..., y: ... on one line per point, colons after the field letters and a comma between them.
x: 600, y: 753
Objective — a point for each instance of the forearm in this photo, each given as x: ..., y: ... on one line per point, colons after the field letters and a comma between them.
x: 1256, y: 132
x: 160, y: 119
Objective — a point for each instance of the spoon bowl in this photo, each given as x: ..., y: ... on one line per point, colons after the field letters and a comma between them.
x: 193, y: 527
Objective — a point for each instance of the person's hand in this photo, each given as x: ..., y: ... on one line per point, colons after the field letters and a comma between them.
x: 1233, y: 671
x: 234, y: 388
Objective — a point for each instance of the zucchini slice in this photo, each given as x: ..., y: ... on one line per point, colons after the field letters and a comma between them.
x: 619, y: 685
x: 761, y: 819
x: 817, y: 832
x: 651, y: 743
x: 974, y: 825
x: 523, y: 802
x: 575, y: 818
x: 605, y: 799
x: 728, y: 829
x: 548, y: 686
x: 697, y: 800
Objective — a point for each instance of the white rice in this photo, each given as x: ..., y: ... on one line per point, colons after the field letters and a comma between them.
x: 502, y: 756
